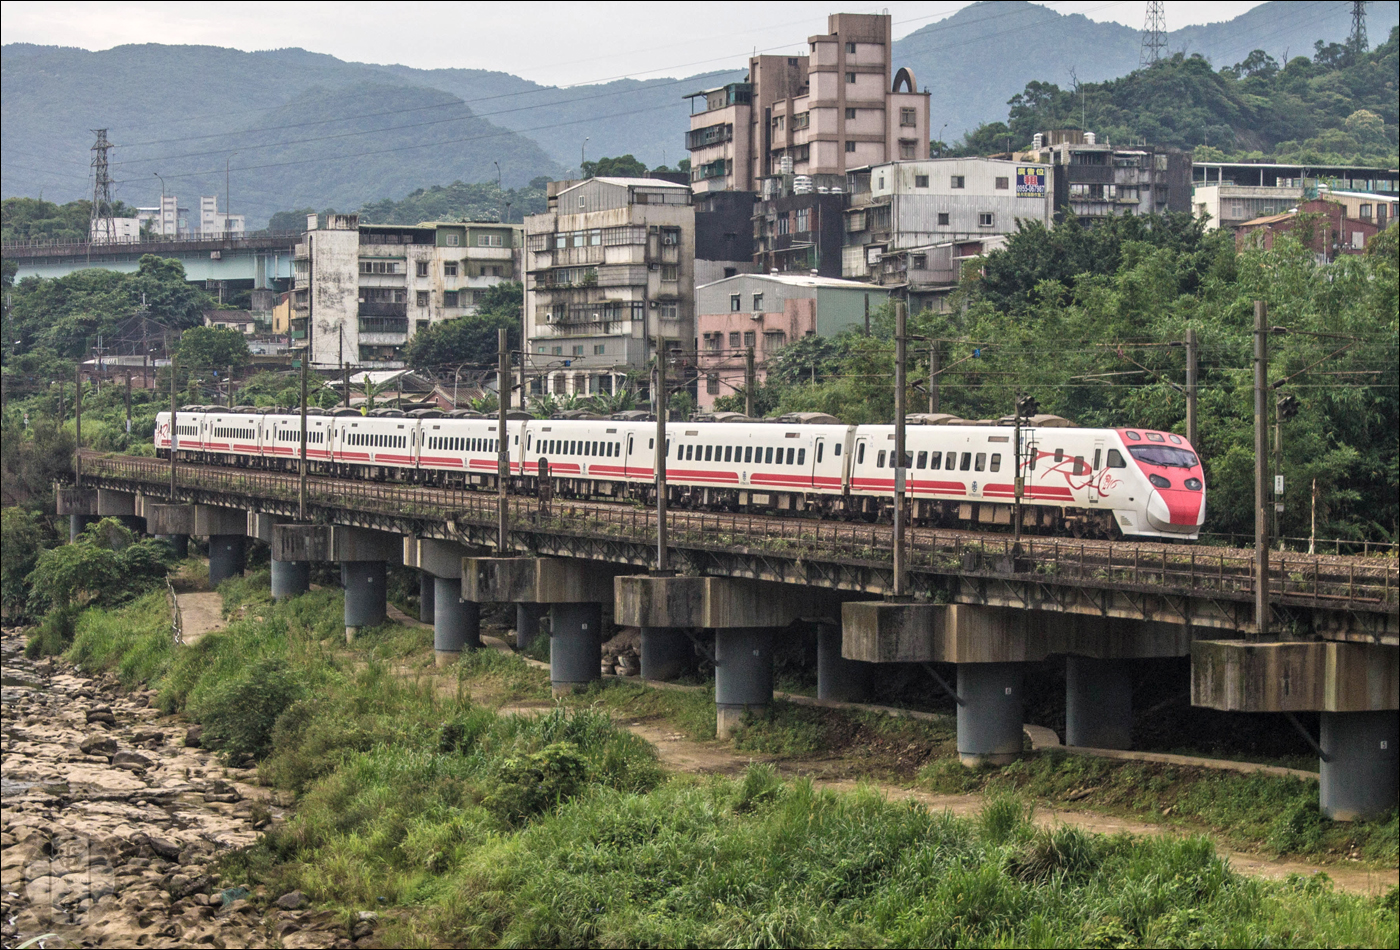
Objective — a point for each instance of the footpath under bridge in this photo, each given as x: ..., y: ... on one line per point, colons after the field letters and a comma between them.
x: 747, y: 578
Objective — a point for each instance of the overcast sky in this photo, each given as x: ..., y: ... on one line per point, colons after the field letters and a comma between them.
x: 551, y: 43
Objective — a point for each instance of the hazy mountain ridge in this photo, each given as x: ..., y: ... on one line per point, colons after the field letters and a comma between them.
x: 191, y: 100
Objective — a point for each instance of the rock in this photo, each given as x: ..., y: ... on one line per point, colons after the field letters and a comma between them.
x: 131, y: 761
x: 46, y: 891
x: 193, y: 736
x: 369, y: 916
x: 98, y: 744
x: 292, y: 900
x: 363, y: 928
x: 164, y: 847
x: 101, y: 714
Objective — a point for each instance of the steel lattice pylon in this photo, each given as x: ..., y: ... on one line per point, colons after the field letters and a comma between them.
x: 102, y: 229
x: 1154, y: 34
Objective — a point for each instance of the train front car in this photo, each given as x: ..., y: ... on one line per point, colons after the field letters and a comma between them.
x: 1171, y: 495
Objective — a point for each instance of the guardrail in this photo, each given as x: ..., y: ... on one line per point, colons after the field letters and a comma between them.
x: 1299, y: 579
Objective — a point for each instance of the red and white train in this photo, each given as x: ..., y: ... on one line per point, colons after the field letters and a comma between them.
x: 1135, y: 482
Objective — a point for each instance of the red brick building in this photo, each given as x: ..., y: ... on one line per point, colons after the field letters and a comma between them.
x: 1320, y: 224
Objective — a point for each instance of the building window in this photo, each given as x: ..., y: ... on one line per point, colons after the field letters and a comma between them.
x: 918, y: 262
x: 850, y: 49
x: 758, y: 303
x: 712, y: 341
x: 712, y: 384
x: 488, y: 240
x: 422, y: 298
x: 907, y: 117
x: 920, y: 181
x: 670, y: 311
x: 449, y: 269
x: 454, y: 240
x: 958, y: 181
x: 735, y: 302
x: 804, y: 219
x: 599, y: 349
x: 422, y: 269
x: 670, y: 237
x: 784, y: 224
x: 850, y: 78
x: 734, y: 339
x: 1365, y: 212
x: 449, y: 298
x: 850, y: 113
x: 558, y: 351
x: 773, y: 340
x: 748, y: 337
x: 906, y: 148
x: 985, y: 219
x: 380, y: 267
x: 943, y: 218
x: 578, y: 349
x: 1003, y: 184
x: 850, y: 146
x: 778, y: 122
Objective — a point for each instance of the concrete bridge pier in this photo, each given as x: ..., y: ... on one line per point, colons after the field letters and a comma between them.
x: 456, y: 619
x: 574, y: 591
x: 172, y: 524
x: 744, y: 616
x: 289, y: 578
x: 427, y: 592
x: 838, y: 678
x: 991, y: 712
x: 527, y: 624
x: 664, y: 653
x: 80, y: 505
x: 363, y: 555
x: 1354, y: 686
x: 1098, y: 703
x: 227, y: 531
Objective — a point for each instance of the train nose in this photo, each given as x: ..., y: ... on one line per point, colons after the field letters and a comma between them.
x: 1175, y: 510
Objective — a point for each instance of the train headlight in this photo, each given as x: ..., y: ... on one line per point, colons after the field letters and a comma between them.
x: 1158, y: 481
x: 1194, y: 484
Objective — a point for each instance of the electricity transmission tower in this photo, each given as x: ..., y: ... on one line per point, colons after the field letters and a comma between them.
x: 102, y: 229
x: 1154, y: 34
x: 1357, y: 40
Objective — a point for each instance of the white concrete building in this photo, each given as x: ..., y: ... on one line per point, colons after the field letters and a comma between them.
x: 609, y: 269
x: 360, y: 292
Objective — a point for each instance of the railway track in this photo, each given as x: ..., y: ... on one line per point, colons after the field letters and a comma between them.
x: 1323, y: 579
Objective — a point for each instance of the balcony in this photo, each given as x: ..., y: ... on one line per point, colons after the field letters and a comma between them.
x: 715, y: 169
x: 710, y: 135
x: 394, y: 325
x: 383, y: 309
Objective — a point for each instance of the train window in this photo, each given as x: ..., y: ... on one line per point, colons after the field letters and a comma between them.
x: 651, y: 443
x: 966, y: 461
x: 880, y: 459
x: 1098, y: 453
x: 729, y: 453
x: 738, y: 453
x: 801, y: 456
x: 768, y: 456
x: 981, y: 465
x: 791, y: 453
x: 996, y: 461
x: 860, y: 453
x: 922, y: 460
x: 1133, y: 436
x: 748, y: 454
x: 820, y: 446
x: 908, y: 459
x: 1079, y: 467
x: 709, y: 453
x: 935, y: 461
x: 1176, y: 439
x: 1155, y: 437
x: 1059, y: 455
x: 1115, y: 459
x: 836, y: 450
x: 689, y: 451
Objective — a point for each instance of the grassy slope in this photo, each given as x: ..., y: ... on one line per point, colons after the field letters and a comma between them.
x: 464, y: 827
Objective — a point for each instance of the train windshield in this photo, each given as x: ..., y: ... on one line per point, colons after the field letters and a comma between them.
x: 1164, y: 455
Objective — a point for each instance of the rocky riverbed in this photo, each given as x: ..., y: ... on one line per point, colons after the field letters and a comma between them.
x: 113, y: 820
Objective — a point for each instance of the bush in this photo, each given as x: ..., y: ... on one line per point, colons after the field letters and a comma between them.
x: 55, y: 633
x: 239, y: 714
x: 528, y: 785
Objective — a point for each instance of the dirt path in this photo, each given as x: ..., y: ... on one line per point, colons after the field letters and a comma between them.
x: 200, y: 613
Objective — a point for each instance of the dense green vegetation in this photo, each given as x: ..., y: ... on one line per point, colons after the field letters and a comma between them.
x: 459, y: 826
x: 470, y: 340
x: 1085, y: 320
x: 34, y: 219
x: 1337, y: 107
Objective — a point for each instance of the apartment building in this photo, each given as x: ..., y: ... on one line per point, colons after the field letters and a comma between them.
x: 609, y: 270
x: 812, y: 116
x: 1096, y: 180
x: 1324, y: 225
x: 169, y: 219
x: 361, y: 291
x: 1228, y: 205
x: 767, y: 312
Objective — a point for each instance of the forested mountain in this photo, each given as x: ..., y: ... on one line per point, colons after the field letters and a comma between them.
x: 287, y: 115
x: 1332, y: 107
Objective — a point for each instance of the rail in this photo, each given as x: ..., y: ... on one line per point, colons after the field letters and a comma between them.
x: 1368, y: 584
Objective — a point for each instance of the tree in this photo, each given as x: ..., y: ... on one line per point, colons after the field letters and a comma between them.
x: 467, y: 340
x: 21, y: 540
x: 105, y: 566
x: 626, y: 166
x: 213, y: 348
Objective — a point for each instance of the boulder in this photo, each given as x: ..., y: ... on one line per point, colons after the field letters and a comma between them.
x: 193, y: 736
x: 131, y: 761
x: 101, y: 714
x: 170, y: 850
x: 98, y: 744
x: 292, y: 900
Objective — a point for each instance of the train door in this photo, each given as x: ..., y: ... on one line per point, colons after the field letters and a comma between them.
x: 819, y: 456
x: 858, y: 462
x: 1095, y: 462
x: 627, y: 459
x: 1030, y: 464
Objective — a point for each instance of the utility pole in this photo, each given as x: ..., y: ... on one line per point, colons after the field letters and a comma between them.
x: 1261, y: 456
x: 174, y: 427
x: 503, y: 443
x: 1191, y: 387
x: 78, y: 428
x: 867, y: 315
x: 128, y: 404
x: 1018, y: 482
x: 301, y: 485
x: 750, y: 381
x: 935, y: 360
x: 230, y: 387
x: 662, y: 564
x: 900, y: 316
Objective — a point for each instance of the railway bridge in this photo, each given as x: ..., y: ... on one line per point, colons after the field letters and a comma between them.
x: 974, y: 601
